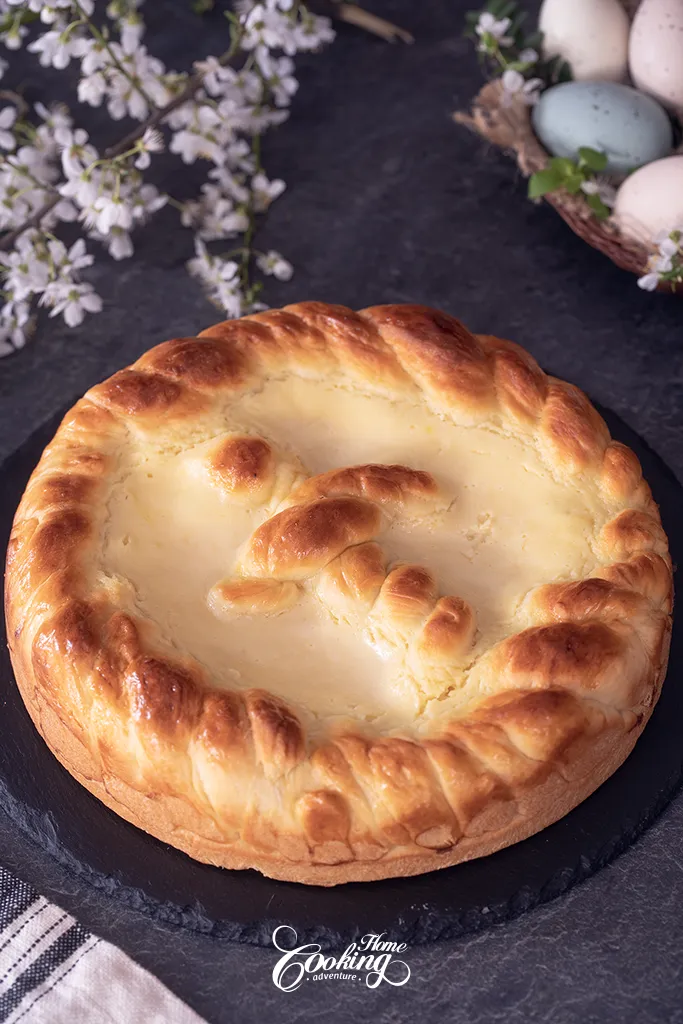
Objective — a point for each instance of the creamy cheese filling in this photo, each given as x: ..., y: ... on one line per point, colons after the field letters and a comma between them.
x: 510, y: 527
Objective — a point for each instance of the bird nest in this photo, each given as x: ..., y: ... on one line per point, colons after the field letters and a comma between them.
x: 508, y: 126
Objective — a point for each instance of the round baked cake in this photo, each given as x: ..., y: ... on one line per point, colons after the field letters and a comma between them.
x: 338, y: 596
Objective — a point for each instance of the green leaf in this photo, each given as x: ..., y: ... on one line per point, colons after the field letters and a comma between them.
x: 554, y: 71
x: 543, y: 182
x: 501, y: 8
x: 593, y: 159
x: 564, y: 72
x: 563, y: 165
x: 534, y: 41
x: 203, y: 6
x: 596, y: 204
x: 573, y: 182
x: 517, y: 22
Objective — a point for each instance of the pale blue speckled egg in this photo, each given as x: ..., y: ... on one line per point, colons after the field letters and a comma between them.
x: 630, y: 127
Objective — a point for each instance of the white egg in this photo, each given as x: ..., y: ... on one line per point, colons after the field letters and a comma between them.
x: 656, y: 51
x: 591, y: 35
x: 651, y: 200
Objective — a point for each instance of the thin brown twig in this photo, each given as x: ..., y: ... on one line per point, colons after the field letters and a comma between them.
x: 14, y: 97
x: 352, y: 14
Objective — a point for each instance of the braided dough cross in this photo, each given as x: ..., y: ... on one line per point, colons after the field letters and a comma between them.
x: 323, y: 533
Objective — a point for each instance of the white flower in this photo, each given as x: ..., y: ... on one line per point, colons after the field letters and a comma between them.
x: 40, y: 6
x: 111, y: 212
x: 77, y: 258
x: 58, y: 122
x: 278, y: 74
x: 132, y: 31
x: 273, y: 263
x: 214, y: 74
x: 14, y: 326
x: 528, y: 56
x: 13, y: 37
x: 199, y: 139
x: 596, y: 186
x: 92, y: 89
x: 214, y: 216
x: 201, y: 265
x: 73, y: 300
x: 26, y: 273
x: 515, y: 84
x: 228, y: 177
x: 220, y: 277
x: 264, y: 191
x: 151, y: 142
x: 126, y: 98
x: 78, y: 157
x: 56, y: 48
x: 310, y: 33
x: 8, y: 116
x: 662, y: 264
x: 3, y: 67
x: 65, y: 210
x: 667, y: 246
x: 81, y: 189
x: 648, y: 282
x: 190, y: 144
x: 119, y: 244
x: 267, y: 28
x: 146, y: 200
x: 93, y: 58
x: 669, y: 249
x: 489, y: 26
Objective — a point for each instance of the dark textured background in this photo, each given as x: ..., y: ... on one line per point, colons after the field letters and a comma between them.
x: 388, y: 201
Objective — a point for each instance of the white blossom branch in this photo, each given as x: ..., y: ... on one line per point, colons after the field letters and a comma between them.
x: 51, y: 172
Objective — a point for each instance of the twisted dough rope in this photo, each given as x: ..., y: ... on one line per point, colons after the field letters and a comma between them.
x: 323, y: 532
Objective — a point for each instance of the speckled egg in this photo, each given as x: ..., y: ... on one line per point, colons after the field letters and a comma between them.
x: 651, y: 200
x: 591, y: 35
x: 656, y: 51
x: 631, y: 128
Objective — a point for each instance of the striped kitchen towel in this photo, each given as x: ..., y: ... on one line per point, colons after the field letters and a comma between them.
x: 52, y: 971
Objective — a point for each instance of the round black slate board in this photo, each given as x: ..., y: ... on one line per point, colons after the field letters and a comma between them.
x: 108, y: 853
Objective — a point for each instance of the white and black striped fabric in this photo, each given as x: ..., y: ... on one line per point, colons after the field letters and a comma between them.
x: 52, y: 971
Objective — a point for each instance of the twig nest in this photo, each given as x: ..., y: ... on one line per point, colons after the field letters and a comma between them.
x: 584, y: 137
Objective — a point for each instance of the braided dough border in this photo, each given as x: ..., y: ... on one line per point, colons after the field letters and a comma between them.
x: 231, y: 776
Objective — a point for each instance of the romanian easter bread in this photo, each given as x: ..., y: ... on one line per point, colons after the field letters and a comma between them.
x: 338, y: 596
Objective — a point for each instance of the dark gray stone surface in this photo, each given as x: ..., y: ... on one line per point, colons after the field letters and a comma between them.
x: 388, y: 201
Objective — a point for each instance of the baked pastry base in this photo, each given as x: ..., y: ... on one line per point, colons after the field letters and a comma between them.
x: 238, y: 777
x: 166, y: 819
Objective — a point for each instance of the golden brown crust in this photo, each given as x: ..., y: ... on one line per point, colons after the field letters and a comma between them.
x: 233, y: 777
